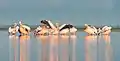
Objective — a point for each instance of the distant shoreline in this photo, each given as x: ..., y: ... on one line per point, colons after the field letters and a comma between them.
x: 80, y: 28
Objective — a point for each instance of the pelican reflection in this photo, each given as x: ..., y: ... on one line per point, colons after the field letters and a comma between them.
x: 108, y: 49
x: 73, y: 42
x: 53, y: 48
x: 67, y: 48
x: 24, y: 50
x: 43, y: 47
x: 107, y: 39
x: 64, y: 48
x: 49, y: 48
x: 13, y: 48
x: 57, y: 48
x: 91, y: 48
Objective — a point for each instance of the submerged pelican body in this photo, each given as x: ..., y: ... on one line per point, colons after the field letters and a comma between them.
x: 13, y: 29
x: 24, y: 29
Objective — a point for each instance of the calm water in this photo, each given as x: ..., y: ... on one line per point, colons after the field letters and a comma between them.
x: 60, y: 48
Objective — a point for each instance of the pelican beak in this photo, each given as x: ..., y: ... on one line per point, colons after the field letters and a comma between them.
x: 20, y: 22
x: 86, y: 25
x: 110, y: 27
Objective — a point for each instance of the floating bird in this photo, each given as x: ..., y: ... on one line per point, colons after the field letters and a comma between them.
x: 50, y: 26
x: 24, y: 29
x: 91, y: 30
x: 52, y: 29
x: 106, y: 30
x: 73, y: 29
x: 41, y: 30
x: 37, y: 30
x: 67, y: 28
x: 13, y: 29
x: 48, y: 23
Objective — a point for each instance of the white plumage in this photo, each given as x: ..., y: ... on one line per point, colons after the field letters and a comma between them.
x: 13, y: 29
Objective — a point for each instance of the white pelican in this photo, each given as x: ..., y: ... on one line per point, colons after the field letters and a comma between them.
x: 106, y: 30
x: 41, y: 30
x: 24, y: 29
x: 44, y: 28
x: 67, y: 28
x: 63, y: 29
x: 51, y: 27
x: 73, y: 29
x: 13, y: 29
x: 91, y: 30
x: 37, y: 30
x: 48, y: 23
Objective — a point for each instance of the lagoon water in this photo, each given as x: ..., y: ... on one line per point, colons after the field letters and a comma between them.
x: 60, y: 48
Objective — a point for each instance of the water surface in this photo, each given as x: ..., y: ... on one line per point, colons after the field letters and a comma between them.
x: 60, y: 48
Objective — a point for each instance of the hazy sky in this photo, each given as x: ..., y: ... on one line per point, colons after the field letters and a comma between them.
x: 40, y: 4
x: 73, y: 11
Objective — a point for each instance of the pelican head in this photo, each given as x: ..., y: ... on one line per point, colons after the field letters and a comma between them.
x: 44, y: 21
x: 70, y: 26
x: 15, y: 24
x: 106, y: 28
x: 109, y: 27
x: 20, y: 22
x: 57, y: 24
x: 86, y: 24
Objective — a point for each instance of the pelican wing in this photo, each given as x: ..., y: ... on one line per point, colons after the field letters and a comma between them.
x: 46, y: 23
x: 73, y: 29
x: 39, y: 28
x: 28, y: 28
x: 62, y: 26
x: 89, y: 31
x: 9, y: 29
x: 51, y: 24
x: 105, y: 28
x: 64, y: 31
x: 13, y: 29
